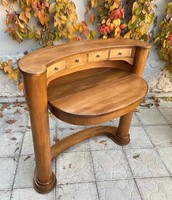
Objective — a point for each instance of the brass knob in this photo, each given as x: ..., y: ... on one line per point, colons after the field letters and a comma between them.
x: 120, y: 53
x: 97, y: 56
x: 77, y: 61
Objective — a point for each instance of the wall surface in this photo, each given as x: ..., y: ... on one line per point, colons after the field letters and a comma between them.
x: 159, y: 81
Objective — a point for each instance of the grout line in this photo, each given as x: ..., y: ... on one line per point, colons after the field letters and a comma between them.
x: 98, y: 195
x: 144, y: 128
x: 12, y: 188
x: 163, y: 116
x: 126, y: 158
x: 163, y: 162
x: 138, y: 188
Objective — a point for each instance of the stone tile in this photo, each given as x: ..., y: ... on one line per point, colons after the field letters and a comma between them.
x: 82, y: 146
x: 166, y: 157
x: 102, y: 143
x: 13, y: 108
x: 116, y: 122
x: 118, y: 190
x: 81, y: 191
x: 110, y: 165
x: 27, y: 147
x: 5, y: 195
x: 25, y: 172
x: 160, y: 135
x: 17, y: 124
x: 165, y: 104
x: 146, y: 163
x: 74, y: 167
x: 12, y: 99
x: 10, y: 144
x: 155, y: 188
x: 150, y: 117
x: 7, y: 172
x: 138, y: 139
x: 167, y: 113
x: 52, y: 122
x: 31, y: 194
x: 135, y: 121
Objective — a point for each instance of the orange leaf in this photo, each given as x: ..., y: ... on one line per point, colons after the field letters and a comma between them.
x: 92, y: 17
x: 23, y: 17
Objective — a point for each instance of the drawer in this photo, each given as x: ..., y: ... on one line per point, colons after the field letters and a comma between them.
x: 127, y: 52
x: 76, y: 60
x: 98, y: 55
x: 56, y: 67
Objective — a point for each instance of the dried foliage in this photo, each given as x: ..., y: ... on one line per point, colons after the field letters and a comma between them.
x: 7, y: 68
x: 164, y: 37
x: 110, y: 18
x: 45, y: 22
x: 143, y: 13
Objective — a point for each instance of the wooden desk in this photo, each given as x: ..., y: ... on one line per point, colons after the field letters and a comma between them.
x: 82, y: 83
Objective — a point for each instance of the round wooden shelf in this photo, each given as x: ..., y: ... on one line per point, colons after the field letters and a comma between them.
x: 100, y: 93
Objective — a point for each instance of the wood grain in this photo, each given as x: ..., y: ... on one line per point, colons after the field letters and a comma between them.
x: 84, y: 83
x: 37, y: 61
x: 95, y: 92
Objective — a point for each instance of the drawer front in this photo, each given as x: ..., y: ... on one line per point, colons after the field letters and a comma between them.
x: 76, y: 60
x: 57, y: 67
x: 117, y: 53
x: 98, y: 55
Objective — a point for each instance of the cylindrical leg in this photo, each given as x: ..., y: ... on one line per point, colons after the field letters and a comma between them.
x: 36, y: 95
x: 122, y: 136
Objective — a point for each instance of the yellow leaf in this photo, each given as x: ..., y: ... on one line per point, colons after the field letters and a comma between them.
x: 114, y: 6
x: 5, y: 3
x: 8, y: 69
x: 71, y: 28
x: 10, y: 76
x: 116, y: 22
x: 135, y: 6
x: 23, y: 17
x: 28, y: 14
x: 52, y: 7
x: 15, y: 75
x: 133, y: 19
x: 127, y: 35
x: 20, y: 86
x: 10, y: 62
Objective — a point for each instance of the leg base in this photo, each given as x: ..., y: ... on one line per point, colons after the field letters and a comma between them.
x: 120, y: 141
x: 44, y: 187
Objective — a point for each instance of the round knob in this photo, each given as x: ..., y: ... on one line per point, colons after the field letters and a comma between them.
x: 120, y: 53
x: 77, y: 61
x: 56, y: 68
x: 97, y: 56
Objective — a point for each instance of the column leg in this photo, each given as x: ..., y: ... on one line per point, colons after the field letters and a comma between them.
x: 36, y: 96
x: 122, y: 136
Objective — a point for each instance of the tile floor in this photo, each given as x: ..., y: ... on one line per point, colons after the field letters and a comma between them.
x: 96, y: 169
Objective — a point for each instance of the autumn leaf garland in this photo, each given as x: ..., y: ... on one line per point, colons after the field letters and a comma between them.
x: 164, y: 38
x: 52, y: 21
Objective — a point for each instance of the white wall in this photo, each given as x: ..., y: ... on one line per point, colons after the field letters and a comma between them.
x: 10, y: 49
